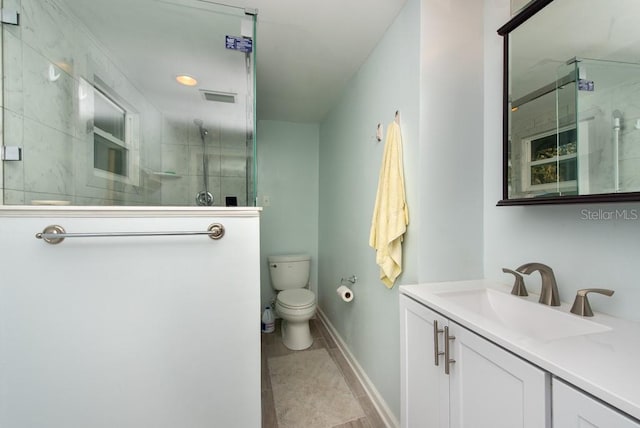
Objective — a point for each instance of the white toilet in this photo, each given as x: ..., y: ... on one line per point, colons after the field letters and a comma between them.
x: 295, y: 303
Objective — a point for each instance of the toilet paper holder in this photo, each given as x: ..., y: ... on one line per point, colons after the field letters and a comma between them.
x: 344, y: 291
x: 351, y: 280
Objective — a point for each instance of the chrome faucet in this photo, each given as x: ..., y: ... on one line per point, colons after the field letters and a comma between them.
x: 549, y: 293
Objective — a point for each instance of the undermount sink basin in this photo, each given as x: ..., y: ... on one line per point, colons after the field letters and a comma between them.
x: 521, y: 316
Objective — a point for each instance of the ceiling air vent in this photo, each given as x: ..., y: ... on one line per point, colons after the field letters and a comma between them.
x: 220, y: 97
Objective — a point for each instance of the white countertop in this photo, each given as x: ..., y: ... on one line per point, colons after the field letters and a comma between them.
x: 606, y: 364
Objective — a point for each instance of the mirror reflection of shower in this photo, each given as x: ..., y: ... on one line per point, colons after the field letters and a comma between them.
x: 204, y: 197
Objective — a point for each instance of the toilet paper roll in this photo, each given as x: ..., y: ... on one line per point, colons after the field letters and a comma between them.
x: 345, y: 293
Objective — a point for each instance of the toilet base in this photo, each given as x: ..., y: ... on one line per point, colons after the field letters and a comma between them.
x: 296, y: 335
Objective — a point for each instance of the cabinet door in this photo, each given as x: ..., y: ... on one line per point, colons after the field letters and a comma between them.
x: 573, y: 409
x: 424, y: 386
x: 491, y: 387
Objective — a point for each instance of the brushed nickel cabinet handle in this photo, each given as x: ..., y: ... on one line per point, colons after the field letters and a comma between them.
x: 447, y: 350
x: 436, y: 351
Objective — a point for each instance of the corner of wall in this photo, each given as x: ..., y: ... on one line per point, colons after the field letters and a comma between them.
x: 288, y: 176
x: 350, y: 158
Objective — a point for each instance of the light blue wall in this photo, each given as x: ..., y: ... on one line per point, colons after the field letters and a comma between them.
x: 430, y: 66
x: 451, y: 149
x: 599, y: 252
x: 440, y: 65
x: 288, y: 176
x: 350, y: 159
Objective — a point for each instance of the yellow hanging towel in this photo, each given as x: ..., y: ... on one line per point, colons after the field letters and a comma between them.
x: 390, y: 214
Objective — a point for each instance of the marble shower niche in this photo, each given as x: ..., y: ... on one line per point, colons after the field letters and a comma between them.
x: 92, y: 103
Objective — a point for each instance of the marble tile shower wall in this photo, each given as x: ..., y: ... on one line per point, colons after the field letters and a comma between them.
x: 182, y: 153
x: 601, y: 105
x: 46, y: 59
x: 44, y: 116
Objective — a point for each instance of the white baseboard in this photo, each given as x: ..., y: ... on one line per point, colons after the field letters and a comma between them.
x: 381, y: 406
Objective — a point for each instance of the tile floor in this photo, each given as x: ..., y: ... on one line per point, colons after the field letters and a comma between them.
x: 272, y: 347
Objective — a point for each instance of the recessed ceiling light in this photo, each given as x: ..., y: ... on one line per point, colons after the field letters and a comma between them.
x: 185, y: 79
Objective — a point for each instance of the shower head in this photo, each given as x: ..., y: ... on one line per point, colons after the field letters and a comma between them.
x: 617, y: 119
x: 200, y: 124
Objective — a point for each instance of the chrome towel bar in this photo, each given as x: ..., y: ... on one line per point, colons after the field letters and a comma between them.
x: 55, y: 234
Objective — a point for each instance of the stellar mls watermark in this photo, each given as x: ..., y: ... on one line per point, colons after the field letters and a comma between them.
x: 601, y: 214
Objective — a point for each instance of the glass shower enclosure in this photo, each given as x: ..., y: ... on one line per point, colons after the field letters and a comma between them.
x: 608, y: 123
x: 579, y: 134
x: 128, y: 102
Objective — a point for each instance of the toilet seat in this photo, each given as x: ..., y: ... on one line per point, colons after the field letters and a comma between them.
x: 298, y: 298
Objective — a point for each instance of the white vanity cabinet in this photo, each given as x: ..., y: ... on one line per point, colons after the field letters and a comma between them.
x: 506, y: 350
x: 486, y: 386
x: 574, y: 409
x: 424, y: 386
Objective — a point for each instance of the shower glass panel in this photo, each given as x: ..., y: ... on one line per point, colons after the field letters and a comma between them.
x: 579, y: 134
x: 609, y: 121
x: 93, y: 112
x: 543, y: 139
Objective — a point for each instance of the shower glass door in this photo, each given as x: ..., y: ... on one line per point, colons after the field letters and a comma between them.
x: 609, y: 122
x: 128, y: 102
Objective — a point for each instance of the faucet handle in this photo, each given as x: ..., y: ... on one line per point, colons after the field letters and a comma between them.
x: 518, y: 286
x: 581, y: 304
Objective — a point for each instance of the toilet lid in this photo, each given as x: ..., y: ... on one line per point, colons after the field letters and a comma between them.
x: 297, y: 297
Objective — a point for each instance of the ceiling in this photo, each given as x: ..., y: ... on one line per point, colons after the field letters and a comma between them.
x: 306, y: 51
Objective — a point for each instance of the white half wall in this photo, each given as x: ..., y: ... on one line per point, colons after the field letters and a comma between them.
x: 129, y: 332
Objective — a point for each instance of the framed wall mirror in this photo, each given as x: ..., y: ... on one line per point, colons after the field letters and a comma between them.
x: 572, y: 102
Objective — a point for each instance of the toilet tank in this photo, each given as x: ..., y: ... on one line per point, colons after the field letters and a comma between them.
x: 289, y: 271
